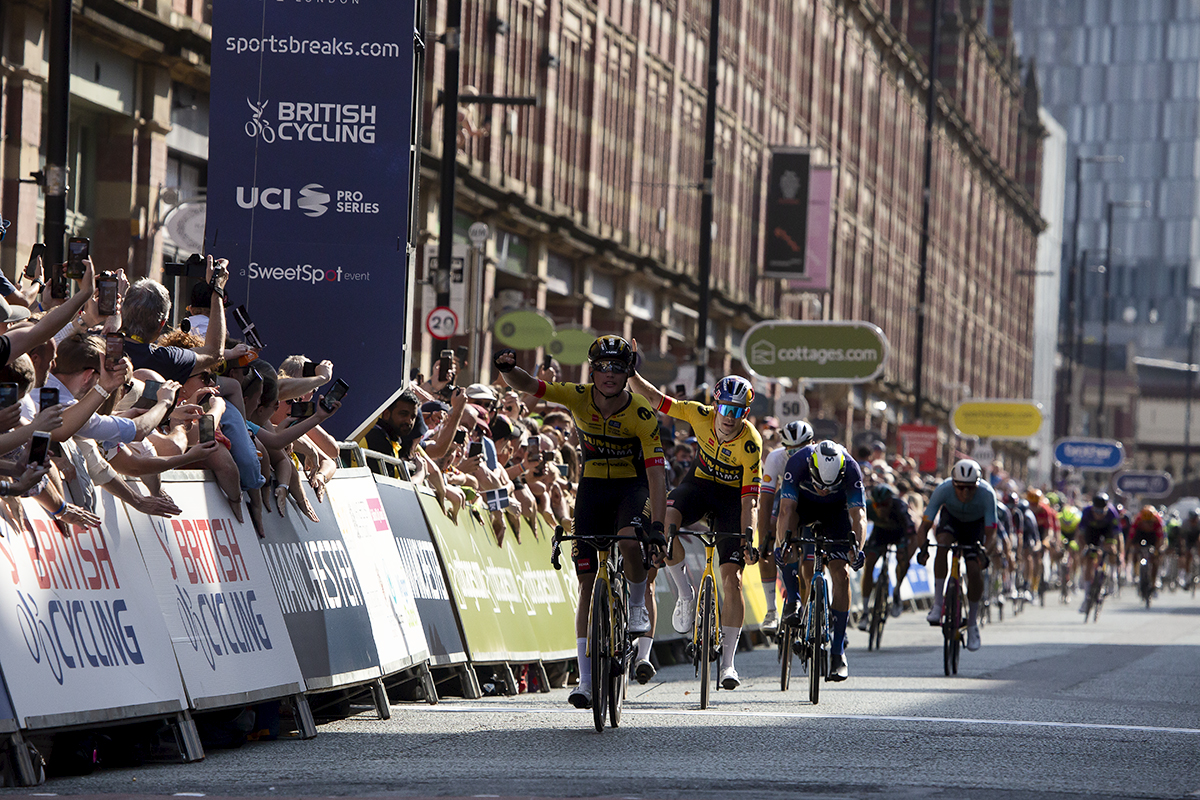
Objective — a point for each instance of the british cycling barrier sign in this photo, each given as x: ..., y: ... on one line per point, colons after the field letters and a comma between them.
x: 1098, y: 455
x: 997, y: 419
x: 822, y: 352
x: 1143, y: 484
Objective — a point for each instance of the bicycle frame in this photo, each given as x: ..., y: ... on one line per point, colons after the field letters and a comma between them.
x: 954, y: 621
x: 817, y: 634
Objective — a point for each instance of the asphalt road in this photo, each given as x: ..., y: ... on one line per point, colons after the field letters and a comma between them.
x: 1049, y: 707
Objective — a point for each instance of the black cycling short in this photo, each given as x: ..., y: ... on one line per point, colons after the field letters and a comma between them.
x: 603, y: 506
x: 693, y: 499
x: 1096, y: 537
x: 880, y: 538
x: 835, y: 523
x: 969, y: 534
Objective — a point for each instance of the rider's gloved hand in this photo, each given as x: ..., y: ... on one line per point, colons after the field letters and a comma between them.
x: 923, y: 556
x: 860, y: 558
x: 505, y: 366
x: 779, y: 556
x: 657, y: 538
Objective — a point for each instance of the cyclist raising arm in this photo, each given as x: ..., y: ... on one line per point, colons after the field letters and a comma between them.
x: 723, y: 481
x: 795, y: 435
x: 824, y: 483
x: 623, y: 483
x: 968, y: 516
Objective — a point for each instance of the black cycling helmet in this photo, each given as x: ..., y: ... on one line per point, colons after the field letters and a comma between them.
x: 882, y: 493
x: 611, y: 348
x: 1100, y: 499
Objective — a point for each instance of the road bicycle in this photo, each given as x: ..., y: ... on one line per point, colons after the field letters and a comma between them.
x: 705, y: 647
x: 993, y: 593
x: 881, y: 598
x: 954, y: 603
x: 1096, y: 591
x: 610, y: 648
x: 1145, y: 570
x: 816, y: 633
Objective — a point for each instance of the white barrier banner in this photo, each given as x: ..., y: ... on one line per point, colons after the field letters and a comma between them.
x: 391, y: 604
x: 216, y: 595
x: 82, y: 641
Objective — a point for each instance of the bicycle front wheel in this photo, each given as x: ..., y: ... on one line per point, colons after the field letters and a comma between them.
x: 879, y: 613
x: 707, y: 638
x: 816, y: 650
x: 601, y: 654
x: 620, y: 661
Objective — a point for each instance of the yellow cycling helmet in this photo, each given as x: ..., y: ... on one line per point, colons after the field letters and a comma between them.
x: 1069, y: 518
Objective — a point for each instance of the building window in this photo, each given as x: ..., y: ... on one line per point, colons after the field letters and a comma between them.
x: 514, y: 254
x: 604, y: 290
x: 560, y: 275
x: 641, y: 303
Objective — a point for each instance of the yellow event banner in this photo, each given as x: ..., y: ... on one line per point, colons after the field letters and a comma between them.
x: 997, y: 419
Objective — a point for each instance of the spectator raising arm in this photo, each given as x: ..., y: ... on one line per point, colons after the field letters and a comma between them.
x: 208, y: 356
x: 23, y: 340
x: 279, y: 439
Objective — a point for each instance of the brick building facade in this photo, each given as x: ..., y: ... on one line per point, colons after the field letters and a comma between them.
x: 598, y: 184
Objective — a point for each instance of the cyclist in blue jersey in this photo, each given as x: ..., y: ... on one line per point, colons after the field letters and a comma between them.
x: 823, y: 483
x: 967, y: 507
x: 1098, y: 526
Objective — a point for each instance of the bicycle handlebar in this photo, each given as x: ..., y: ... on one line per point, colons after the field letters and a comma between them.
x: 559, y: 537
x: 710, y: 538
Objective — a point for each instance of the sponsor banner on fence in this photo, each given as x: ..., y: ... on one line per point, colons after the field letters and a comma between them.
x: 321, y: 597
x: 485, y: 596
x: 83, y: 640
x: 217, y: 598
x: 550, y: 596
x: 355, y: 501
x: 423, y: 569
x: 309, y: 179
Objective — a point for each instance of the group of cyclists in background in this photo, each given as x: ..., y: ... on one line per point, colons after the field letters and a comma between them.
x: 1012, y: 543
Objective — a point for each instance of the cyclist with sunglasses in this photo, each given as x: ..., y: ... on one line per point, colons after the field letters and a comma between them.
x: 623, y: 483
x: 723, y: 481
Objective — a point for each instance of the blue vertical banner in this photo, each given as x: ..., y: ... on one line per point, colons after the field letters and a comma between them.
x: 309, y: 176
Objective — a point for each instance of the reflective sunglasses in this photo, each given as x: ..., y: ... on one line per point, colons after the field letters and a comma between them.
x: 610, y: 366
x: 732, y: 411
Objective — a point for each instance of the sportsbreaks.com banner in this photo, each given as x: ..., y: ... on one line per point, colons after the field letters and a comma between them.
x: 309, y: 181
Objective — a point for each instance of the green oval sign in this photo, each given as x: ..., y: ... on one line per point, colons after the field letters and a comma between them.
x: 570, y: 346
x: 523, y: 330
x: 822, y: 352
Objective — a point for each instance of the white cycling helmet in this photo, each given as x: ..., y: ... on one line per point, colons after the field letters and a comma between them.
x: 733, y: 390
x: 797, y: 434
x: 966, y: 471
x: 828, y: 464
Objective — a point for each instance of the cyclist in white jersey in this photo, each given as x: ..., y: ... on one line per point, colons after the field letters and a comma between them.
x: 795, y: 435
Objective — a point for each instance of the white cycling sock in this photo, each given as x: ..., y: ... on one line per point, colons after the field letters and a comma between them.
x: 769, y: 593
x: 972, y: 612
x: 729, y: 643
x: 644, y: 643
x: 682, y: 578
x: 585, y: 663
x: 937, y: 591
x: 637, y: 594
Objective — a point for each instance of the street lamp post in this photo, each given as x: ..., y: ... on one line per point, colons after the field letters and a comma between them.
x: 1073, y: 275
x: 1108, y: 271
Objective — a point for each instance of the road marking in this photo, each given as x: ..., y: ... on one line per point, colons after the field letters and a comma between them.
x: 1016, y: 723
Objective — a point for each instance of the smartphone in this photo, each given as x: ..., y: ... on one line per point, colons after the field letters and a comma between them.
x: 242, y: 317
x: 58, y: 282
x: 114, y: 350
x: 562, y: 469
x: 340, y: 387
x: 548, y: 362
x: 414, y: 375
x: 309, y: 370
x: 8, y: 394
x: 38, y: 251
x: 476, y: 449
x: 220, y: 277
x: 460, y: 436
x: 78, y: 249
x: 149, y: 395
x: 47, y: 398
x: 461, y: 352
x: 300, y: 409
x: 680, y: 389
x: 206, y: 403
x: 208, y: 429
x: 444, y: 365
x: 106, y: 294
x: 39, y: 448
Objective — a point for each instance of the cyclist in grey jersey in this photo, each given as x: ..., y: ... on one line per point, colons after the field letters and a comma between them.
x: 795, y: 435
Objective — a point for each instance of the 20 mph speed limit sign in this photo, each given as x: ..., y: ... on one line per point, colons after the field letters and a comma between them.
x: 442, y: 323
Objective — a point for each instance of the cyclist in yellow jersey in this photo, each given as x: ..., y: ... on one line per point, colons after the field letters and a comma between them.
x: 723, y: 481
x: 623, y: 483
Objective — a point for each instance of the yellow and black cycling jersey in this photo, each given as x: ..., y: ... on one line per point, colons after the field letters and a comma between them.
x: 619, y: 446
x: 736, y: 463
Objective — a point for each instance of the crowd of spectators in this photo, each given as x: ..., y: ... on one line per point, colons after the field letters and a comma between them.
x: 95, y: 401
